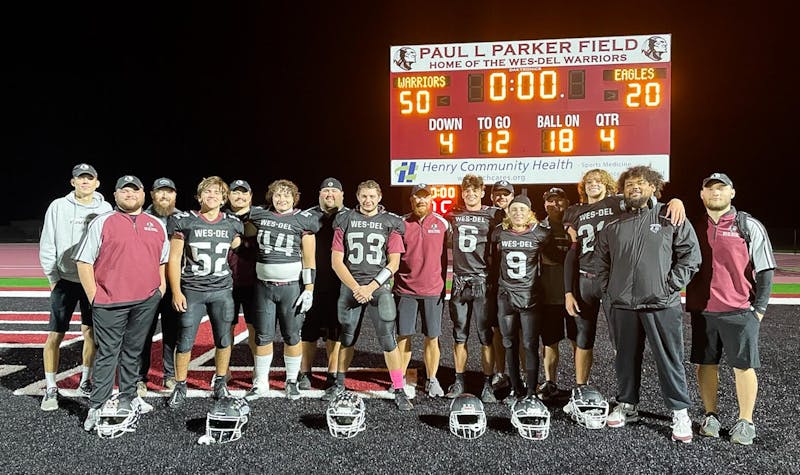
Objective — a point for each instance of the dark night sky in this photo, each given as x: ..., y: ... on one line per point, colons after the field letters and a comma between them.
x: 299, y: 91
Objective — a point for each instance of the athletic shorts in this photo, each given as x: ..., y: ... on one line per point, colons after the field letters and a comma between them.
x: 428, y: 308
x: 322, y: 320
x: 243, y: 302
x: 555, y: 320
x: 736, y: 332
x: 63, y: 299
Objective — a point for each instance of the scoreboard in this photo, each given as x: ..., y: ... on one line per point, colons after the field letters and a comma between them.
x: 533, y: 112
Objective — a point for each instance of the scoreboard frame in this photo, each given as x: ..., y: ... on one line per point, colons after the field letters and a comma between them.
x: 529, y: 111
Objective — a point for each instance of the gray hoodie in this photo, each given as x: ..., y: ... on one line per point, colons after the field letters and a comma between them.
x: 65, y: 223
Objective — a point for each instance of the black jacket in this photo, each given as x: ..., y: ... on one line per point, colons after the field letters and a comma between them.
x: 645, y: 261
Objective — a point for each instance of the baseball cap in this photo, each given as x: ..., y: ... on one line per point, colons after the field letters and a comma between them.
x: 503, y: 185
x: 164, y: 183
x: 129, y: 180
x: 83, y: 169
x: 521, y: 199
x: 240, y: 184
x: 420, y: 187
x: 331, y: 182
x: 721, y: 177
x: 554, y: 192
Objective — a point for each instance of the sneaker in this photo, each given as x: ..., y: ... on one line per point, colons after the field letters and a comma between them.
x: 455, y: 390
x: 332, y: 391
x: 178, y: 395
x: 681, y: 426
x: 743, y: 432
x: 291, y: 390
x: 220, y: 387
x: 410, y: 390
x: 91, y: 419
x: 141, y: 389
x: 85, y: 388
x: 487, y: 395
x: 710, y: 426
x: 500, y: 381
x: 433, y: 388
x: 304, y: 381
x: 50, y: 399
x: 169, y: 383
x: 569, y: 409
x: 623, y: 414
x: 401, y: 400
x: 547, y: 390
x: 139, y: 404
x: 512, y: 398
x: 260, y: 389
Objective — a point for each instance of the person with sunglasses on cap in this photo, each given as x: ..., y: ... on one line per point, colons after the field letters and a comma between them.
x: 65, y: 224
x: 556, y: 322
x: 727, y: 300
x: 121, y: 262
x: 419, y: 287
x: 286, y: 269
x: 322, y: 320
x: 163, y: 195
x: 242, y: 262
x: 518, y: 243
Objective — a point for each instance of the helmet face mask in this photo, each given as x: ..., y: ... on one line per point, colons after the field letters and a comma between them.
x: 226, y: 420
x: 467, y: 417
x: 346, y: 415
x: 589, y: 407
x: 531, y: 418
x: 116, y: 418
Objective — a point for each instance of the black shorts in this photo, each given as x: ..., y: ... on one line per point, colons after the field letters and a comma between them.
x: 555, y: 320
x: 63, y: 299
x: 736, y: 332
x: 243, y: 302
x: 428, y: 308
x: 322, y: 320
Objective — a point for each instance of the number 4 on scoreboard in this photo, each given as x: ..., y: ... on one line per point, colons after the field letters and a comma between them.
x: 446, y: 143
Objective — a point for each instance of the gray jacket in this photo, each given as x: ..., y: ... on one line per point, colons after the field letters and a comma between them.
x: 65, y: 223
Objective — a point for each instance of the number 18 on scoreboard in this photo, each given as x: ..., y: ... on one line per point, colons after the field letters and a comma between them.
x: 539, y: 111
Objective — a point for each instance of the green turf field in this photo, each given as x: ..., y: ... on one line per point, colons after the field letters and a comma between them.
x: 40, y: 282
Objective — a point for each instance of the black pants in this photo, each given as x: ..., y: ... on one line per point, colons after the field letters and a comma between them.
x: 663, y: 329
x: 512, y: 321
x: 169, y: 336
x: 119, y: 333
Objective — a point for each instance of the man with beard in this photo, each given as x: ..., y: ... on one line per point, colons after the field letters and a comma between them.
x: 727, y: 300
x: 556, y: 322
x: 242, y: 262
x: 644, y: 262
x: 121, y: 266
x: 419, y: 283
x: 163, y: 196
x: 64, y: 225
x: 321, y: 320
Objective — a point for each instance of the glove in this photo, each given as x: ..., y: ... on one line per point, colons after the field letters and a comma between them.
x: 304, y: 301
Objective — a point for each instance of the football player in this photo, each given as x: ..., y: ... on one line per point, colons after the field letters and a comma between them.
x: 519, y: 242
x: 367, y: 243
x: 201, y: 281
x: 65, y: 223
x: 284, y: 291
x: 322, y: 320
x: 419, y: 283
x: 470, y: 227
